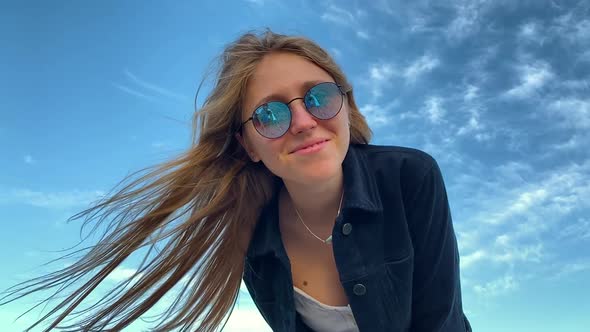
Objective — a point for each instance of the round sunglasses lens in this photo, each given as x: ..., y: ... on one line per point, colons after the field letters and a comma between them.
x: 324, y: 100
x: 272, y: 120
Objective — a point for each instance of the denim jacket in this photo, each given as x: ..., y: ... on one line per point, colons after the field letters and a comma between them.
x: 394, y: 246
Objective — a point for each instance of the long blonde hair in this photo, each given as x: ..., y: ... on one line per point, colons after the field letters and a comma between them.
x: 200, y: 208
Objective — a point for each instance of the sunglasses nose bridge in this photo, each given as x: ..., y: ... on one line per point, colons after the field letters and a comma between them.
x: 302, y: 104
x: 292, y: 100
x: 300, y: 118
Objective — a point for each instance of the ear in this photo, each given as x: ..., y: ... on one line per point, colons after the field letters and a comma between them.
x: 244, y: 144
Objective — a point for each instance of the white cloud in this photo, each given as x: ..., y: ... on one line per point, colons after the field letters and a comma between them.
x: 467, y: 239
x: 338, y: 15
x: 570, y: 188
x: 575, y: 112
x: 497, y: 287
x: 572, y: 28
x: 504, y: 251
x: 158, y: 90
x: 503, y: 240
x: 52, y: 200
x: 582, y: 30
x: 475, y: 70
x: 384, y: 6
x: 522, y: 203
x: 362, y: 34
x: 341, y: 16
x: 468, y: 18
x: 471, y: 93
x: 419, y: 23
x: 482, y: 137
x: 244, y: 320
x: 582, y: 84
x: 29, y: 159
x: 422, y: 65
x: 520, y: 253
x: 381, y: 72
x: 159, y: 145
x: 133, y: 92
x: 410, y: 115
x: 532, y: 78
x: 518, y: 214
x: 571, y: 268
x: 151, y: 91
x: 579, y: 230
x: 472, y: 125
x: 121, y: 274
x: 474, y: 257
x: 378, y: 115
x: 514, y: 172
x: 336, y: 52
x: 378, y: 77
x: 531, y: 32
x: 434, y: 110
x: 573, y: 143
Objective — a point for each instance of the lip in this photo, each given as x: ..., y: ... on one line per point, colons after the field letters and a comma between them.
x: 311, y: 147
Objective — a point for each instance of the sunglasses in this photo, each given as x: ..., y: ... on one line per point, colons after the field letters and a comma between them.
x: 273, y: 119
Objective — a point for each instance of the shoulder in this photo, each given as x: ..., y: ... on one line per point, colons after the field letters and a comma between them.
x: 396, y: 160
x: 396, y: 171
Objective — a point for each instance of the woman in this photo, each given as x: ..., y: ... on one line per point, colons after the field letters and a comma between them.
x: 280, y: 189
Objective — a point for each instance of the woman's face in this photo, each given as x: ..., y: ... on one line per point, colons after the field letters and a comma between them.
x: 281, y: 77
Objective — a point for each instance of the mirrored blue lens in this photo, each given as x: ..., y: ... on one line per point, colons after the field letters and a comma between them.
x: 324, y: 100
x: 272, y: 119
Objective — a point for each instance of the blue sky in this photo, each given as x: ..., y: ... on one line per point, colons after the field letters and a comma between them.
x: 497, y: 91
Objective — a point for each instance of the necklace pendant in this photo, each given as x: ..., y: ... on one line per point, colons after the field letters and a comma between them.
x: 328, y: 240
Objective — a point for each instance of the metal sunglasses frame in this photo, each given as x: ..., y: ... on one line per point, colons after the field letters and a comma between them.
x: 342, y: 94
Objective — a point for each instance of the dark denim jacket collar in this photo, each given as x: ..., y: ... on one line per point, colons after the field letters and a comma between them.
x: 360, y: 192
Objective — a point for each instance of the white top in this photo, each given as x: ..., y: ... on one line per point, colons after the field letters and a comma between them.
x: 322, y: 317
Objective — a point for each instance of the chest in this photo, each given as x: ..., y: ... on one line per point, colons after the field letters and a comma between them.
x: 313, y: 266
x: 373, y: 273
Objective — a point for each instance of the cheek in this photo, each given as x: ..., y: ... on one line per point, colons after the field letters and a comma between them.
x: 270, y: 152
x: 275, y: 164
x: 342, y: 123
x: 345, y: 113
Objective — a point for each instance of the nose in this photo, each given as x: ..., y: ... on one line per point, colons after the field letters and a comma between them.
x: 301, y: 120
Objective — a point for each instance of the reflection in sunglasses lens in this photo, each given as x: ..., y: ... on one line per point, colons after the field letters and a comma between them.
x: 323, y: 101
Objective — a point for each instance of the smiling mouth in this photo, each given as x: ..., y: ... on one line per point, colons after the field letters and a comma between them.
x: 310, y: 147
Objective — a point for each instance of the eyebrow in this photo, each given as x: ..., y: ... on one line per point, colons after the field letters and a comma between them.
x: 277, y: 96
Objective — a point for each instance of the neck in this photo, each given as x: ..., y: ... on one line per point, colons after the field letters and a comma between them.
x: 317, y: 204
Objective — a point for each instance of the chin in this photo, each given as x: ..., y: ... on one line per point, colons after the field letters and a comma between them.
x: 318, y: 172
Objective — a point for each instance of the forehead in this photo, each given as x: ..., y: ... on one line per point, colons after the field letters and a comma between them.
x: 284, y: 66
x: 282, y: 74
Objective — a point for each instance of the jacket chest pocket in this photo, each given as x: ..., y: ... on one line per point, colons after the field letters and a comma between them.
x: 382, y: 299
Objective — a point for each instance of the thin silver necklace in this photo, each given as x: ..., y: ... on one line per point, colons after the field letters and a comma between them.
x: 329, y: 239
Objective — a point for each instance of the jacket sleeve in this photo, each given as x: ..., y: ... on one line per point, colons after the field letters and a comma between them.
x: 436, y: 293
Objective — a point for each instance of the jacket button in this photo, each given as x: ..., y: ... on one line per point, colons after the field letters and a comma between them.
x: 359, y: 289
x: 347, y: 228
